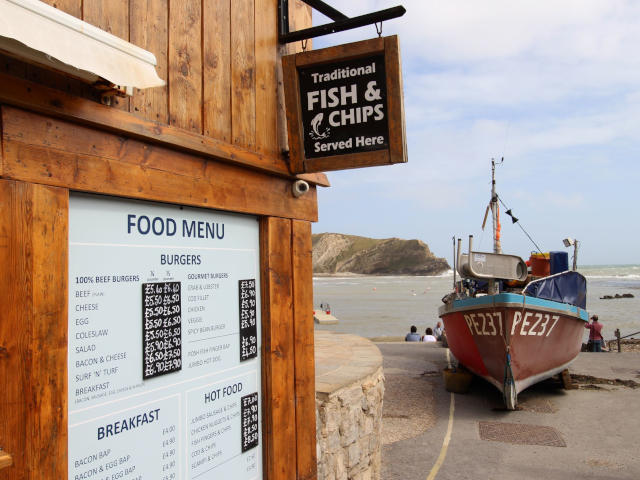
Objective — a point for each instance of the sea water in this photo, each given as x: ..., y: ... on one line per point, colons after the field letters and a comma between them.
x: 374, y: 306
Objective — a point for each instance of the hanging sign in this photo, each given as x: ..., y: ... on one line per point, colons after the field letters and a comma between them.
x: 344, y: 106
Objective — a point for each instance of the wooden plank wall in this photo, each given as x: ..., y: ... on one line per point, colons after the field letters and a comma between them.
x: 185, y: 64
x: 219, y: 58
x: 149, y: 30
x: 45, y: 150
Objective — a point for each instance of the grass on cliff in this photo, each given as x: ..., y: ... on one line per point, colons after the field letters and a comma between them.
x: 357, y: 244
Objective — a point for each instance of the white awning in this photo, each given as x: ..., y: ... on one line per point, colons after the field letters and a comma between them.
x: 43, y: 34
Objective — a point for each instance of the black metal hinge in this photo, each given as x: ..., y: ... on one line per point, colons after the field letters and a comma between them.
x: 340, y: 21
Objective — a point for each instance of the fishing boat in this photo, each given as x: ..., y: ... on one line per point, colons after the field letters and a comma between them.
x: 512, y: 323
x: 322, y: 316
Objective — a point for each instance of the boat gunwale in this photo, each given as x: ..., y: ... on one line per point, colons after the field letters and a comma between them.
x: 509, y: 300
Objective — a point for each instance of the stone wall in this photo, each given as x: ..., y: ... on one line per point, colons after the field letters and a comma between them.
x: 349, y: 396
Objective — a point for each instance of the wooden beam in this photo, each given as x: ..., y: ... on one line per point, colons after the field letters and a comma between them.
x: 319, y: 179
x: 352, y: 160
x: 41, y: 150
x: 57, y: 104
x: 279, y: 418
x: 347, y: 50
x: 33, y: 330
x: 304, y: 351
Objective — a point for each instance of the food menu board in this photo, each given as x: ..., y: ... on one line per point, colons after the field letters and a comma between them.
x: 164, y: 342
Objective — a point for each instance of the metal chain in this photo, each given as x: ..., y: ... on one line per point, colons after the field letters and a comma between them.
x: 304, y: 44
x: 379, y: 30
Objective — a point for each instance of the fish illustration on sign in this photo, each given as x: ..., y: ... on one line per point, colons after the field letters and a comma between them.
x: 315, y: 132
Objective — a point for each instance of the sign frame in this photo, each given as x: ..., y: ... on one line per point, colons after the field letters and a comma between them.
x: 396, y: 151
x: 182, y: 270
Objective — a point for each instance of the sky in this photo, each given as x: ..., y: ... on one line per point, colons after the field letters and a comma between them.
x: 553, y: 87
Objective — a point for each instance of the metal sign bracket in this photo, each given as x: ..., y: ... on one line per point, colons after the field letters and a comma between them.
x: 340, y: 21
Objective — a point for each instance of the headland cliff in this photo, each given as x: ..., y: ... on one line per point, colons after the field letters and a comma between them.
x: 335, y: 253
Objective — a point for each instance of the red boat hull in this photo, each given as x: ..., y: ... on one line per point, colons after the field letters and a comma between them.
x: 529, y: 342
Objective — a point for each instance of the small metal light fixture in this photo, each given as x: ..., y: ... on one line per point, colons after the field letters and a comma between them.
x: 299, y: 188
x: 569, y: 242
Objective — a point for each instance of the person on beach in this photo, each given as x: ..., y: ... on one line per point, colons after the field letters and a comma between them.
x: 412, y: 336
x: 428, y: 336
x: 437, y: 332
x: 595, y: 334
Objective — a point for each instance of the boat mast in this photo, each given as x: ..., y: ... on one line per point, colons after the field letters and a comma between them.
x: 497, y: 248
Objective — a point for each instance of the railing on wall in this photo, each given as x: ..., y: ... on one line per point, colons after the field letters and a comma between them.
x: 618, y: 337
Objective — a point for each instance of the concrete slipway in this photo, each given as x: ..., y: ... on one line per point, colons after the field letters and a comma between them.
x: 591, y: 432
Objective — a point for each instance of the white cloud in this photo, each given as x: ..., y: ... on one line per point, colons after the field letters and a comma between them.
x: 563, y: 200
x: 553, y: 86
x: 459, y: 30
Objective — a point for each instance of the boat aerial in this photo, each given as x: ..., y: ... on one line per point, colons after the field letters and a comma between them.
x: 511, y: 326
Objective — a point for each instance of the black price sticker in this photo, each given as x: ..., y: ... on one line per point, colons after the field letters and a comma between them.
x: 161, y: 329
x: 249, y: 419
x: 248, y: 320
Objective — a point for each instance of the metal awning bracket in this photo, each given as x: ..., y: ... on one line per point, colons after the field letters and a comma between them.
x: 340, y: 21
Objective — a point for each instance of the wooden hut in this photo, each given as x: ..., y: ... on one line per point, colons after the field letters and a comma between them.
x: 205, y: 148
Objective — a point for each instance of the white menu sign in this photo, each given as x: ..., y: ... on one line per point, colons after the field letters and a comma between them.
x: 164, y: 342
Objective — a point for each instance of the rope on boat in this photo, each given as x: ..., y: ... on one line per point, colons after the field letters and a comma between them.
x: 508, y: 371
x: 508, y: 374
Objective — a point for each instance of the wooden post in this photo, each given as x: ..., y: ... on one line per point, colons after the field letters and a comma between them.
x: 288, y: 358
x: 567, y: 383
x: 618, y: 338
x: 304, y: 350
x: 278, y: 347
x: 33, y: 330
